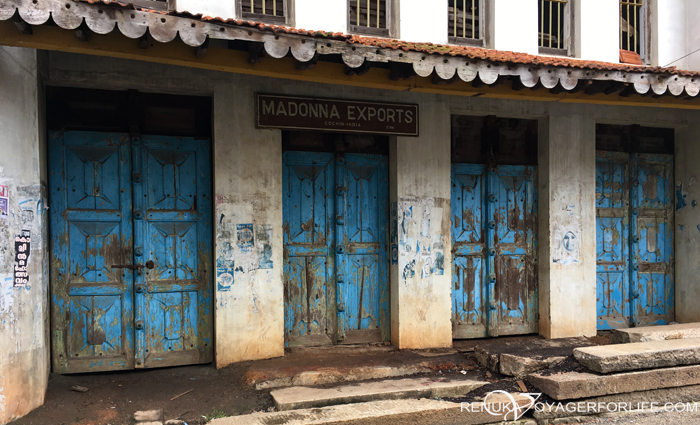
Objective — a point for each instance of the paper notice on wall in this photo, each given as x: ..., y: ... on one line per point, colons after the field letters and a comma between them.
x: 263, y: 232
x: 566, y: 245
x: 4, y: 202
x: 22, y: 251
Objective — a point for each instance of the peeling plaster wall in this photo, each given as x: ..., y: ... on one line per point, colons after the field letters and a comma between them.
x: 249, y: 320
x: 566, y: 189
x: 687, y: 221
x: 421, y: 281
x: 24, y: 345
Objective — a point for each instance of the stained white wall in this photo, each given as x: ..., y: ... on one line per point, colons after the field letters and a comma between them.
x: 24, y: 344
x: 321, y: 15
x: 596, y: 30
x: 513, y: 25
x: 214, y: 8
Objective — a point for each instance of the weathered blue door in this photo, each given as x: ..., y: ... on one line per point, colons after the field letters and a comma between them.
x: 335, y: 248
x: 103, y: 202
x: 634, y: 239
x: 494, y: 271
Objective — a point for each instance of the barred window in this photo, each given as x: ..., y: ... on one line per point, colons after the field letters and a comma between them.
x: 464, y: 21
x: 632, y: 26
x: 368, y: 17
x: 554, y: 26
x: 268, y: 11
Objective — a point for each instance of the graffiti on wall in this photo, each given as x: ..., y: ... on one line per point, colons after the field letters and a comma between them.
x: 421, y: 242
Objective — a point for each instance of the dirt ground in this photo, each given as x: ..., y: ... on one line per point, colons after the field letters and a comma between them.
x: 197, y: 394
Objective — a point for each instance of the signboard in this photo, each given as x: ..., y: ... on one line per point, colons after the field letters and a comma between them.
x: 345, y: 116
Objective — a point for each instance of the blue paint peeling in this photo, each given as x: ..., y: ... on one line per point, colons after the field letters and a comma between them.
x: 680, y: 197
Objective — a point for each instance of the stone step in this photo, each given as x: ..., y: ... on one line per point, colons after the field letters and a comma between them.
x: 639, y: 355
x: 387, y: 411
x: 307, y: 397
x: 656, y: 333
x: 576, y: 385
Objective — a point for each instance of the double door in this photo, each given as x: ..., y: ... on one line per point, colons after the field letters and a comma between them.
x: 131, y: 258
x: 494, y: 246
x: 335, y: 208
x: 634, y: 239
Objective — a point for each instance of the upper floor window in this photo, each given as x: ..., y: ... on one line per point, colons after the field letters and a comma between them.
x: 267, y: 11
x: 554, y: 26
x: 369, y: 17
x: 464, y: 22
x: 633, y: 26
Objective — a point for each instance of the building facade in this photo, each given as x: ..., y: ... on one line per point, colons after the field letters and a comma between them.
x: 200, y: 181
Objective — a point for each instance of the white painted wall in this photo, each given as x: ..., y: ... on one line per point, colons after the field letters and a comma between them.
x: 513, y: 25
x: 322, y: 15
x: 669, y: 32
x: 597, y: 30
x: 421, y: 23
x: 692, y: 10
x: 215, y: 8
x: 24, y: 346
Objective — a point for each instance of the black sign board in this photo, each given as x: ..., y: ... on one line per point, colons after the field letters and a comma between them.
x: 345, y: 116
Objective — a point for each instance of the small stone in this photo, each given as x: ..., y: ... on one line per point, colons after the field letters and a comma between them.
x: 79, y: 389
x: 148, y: 415
x: 174, y: 422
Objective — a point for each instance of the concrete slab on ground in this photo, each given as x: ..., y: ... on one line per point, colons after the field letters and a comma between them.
x: 321, y: 366
x: 307, y: 397
x: 383, y: 411
x: 639, y: 400
x: 524, y: 356
x: 639, y: 355
x: 575, y: 385
x: 656, y: 333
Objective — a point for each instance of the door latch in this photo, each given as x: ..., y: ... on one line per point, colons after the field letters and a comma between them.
x: 149, y: 265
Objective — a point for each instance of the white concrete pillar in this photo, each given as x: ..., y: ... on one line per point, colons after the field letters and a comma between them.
x: 421, y: 279
x: 513, y: 26
x: 566, y: 209
x: 249, y: 301
x: 322, y: 15
x: 596, y: 34
x: 24, y: 342
x: 423, y: 22
x: 687, y: 220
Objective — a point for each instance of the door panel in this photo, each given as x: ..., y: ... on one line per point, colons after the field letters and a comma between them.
x: 652, y: 240
x: 308, y: 240
x: 469, y: 293
x: 612, y: 236
x: 361, y: 251
x: 173, y: 229
x: 512, y: 233
x: 90, y: 213
x: 494, y: 250
x: 634, y: 239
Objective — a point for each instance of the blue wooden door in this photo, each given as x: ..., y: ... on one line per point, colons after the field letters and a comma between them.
x: 494, y: 227
x: 651, y: 227
x: 612, y: 236
x: 335, y: 248
x: 308, y: 210
x: 361, y: 248
x: 99, y: 208
x: 173, y: 238
x: 634, y: 239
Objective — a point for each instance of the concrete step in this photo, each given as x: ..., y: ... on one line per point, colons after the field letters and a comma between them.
x: 576, y: 385
x: 307, y: 397
x: 523, y: 356
x: 385, y: 412
x: 639, y: 355
x: 656, y: 333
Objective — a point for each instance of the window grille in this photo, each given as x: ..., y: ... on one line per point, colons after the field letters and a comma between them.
x: 553, y: 25
x: 272, y: 11
x: 464, y: 20
x: 632, y: 25
x: 368, y: 17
